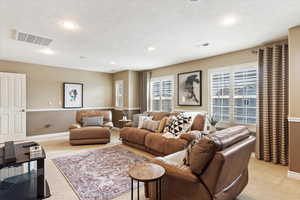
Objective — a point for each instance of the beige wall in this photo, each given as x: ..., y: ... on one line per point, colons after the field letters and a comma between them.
x: 294, y: 98
x: 45, y: 90
x: 294, y: 71
x: 45, y: 84
x: 131, y: 87
x: 235, y: 58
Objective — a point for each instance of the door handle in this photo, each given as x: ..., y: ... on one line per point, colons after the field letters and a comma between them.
x: 22, y: 110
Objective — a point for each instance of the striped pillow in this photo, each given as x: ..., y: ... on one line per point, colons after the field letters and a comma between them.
x: 150, y: 125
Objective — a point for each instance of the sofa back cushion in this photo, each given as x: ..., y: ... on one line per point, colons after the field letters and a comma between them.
x: 230, y: 136
x: 159, y: 115
x: 107, y: 115
x: 198, y: 123
x: 92, y: 121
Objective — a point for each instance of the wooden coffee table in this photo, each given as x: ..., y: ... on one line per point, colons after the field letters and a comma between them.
x: 147, y: 172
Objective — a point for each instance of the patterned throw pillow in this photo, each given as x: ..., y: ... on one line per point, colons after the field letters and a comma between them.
x: 141, y: 120
x: 178, y: 124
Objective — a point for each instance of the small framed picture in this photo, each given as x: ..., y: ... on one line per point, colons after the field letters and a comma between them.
x: 73, y: 95
x: 189, y: 89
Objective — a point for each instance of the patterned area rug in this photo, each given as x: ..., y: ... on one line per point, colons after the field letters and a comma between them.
x: 99, y: 174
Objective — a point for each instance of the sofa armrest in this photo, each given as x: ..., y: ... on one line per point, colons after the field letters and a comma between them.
x: 188, y: 137
x: 74, y: 126
x: 128, y: 124
x: 108, y: 125
x: 176, y: 170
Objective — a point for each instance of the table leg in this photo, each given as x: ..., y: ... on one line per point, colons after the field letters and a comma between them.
x: 157, y: 189
x: 40, y: 178
x: 138, y: 189
x: 160, y: 197
x: 131, y: 189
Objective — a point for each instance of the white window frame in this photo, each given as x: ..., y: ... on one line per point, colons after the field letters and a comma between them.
x: 231, y: 70
x: 160, y: 79
x: 117, y: 95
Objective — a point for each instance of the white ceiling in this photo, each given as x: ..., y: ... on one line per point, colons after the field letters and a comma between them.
x: 122, y: 31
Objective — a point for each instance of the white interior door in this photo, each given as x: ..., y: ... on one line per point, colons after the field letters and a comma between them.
x: 12, y: 106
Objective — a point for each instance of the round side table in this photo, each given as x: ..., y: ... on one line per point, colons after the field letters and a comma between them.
x: 147, y: 172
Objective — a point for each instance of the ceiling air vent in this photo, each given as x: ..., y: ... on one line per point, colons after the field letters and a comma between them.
x: 33, y: 39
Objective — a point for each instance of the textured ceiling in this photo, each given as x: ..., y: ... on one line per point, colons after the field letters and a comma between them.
x: 122, y: 31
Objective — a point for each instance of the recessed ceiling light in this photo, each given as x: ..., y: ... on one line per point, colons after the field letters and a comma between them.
x: 47, y: 51
x: 229, y: 21
x: 112, y: 63
x: 151, y: 48
x: 69, y: 25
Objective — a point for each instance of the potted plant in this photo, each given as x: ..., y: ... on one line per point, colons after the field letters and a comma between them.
x: 213, y: 122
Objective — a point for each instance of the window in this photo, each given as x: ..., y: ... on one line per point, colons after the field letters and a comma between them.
x: 233, y: 94
x: 119, y: 89
x: 161, y: 94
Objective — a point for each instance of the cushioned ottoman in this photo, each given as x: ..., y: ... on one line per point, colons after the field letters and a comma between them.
x: 89, y: 135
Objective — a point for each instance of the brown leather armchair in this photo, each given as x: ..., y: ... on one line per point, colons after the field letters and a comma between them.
x: 91, y: 135
x: 224, y: 178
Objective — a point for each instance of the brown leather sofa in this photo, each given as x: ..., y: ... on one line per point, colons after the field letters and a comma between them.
x: 155, y: 143
x: 225, y: 177
x: 93, y: 134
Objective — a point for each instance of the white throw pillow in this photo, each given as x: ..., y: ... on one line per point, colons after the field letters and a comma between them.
x: 141, y: 120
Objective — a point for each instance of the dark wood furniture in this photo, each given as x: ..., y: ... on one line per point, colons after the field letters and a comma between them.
x: 122, y: 122
x: 147, y: 172
x: 35, y: 182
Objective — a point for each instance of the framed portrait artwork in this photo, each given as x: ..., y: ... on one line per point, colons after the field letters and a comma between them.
x: 73, y: 95
x: 189, y: 89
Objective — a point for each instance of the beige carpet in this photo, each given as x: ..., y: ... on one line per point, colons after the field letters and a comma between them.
x: 267, y: 181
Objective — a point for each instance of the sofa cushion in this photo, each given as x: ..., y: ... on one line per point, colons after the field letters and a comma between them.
x: 230, y: 136
x: 92, y: 121
x: 155, y: 142
x: 201, y: 154
x: 150, y: 125
x: 141, y: 120
x: 134, y: 135
x: 89, y: 133
x: 198, y: 123
x: 107, y: 116
x: 159, y: 115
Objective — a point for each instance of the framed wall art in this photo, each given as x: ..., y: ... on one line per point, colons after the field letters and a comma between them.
x: 189, y: 89
x: 73, y: 95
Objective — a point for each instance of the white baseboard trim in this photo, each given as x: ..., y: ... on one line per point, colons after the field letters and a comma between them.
x: 68, y: 109
x: 126, y: 108
x: 294, y: 175
x: 87, y: 108
x: 47, y: 136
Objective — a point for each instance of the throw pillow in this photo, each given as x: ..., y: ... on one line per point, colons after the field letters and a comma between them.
x: 198, y: 136
x: 150, y: 125
x: 141, y: 119
x: 92, y: 121
x: 201, y: 154
x: 162, y: 124
x: 179, y: 124
x: 135, y: 119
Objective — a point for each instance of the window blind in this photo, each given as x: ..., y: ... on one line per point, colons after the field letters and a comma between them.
x: 233, y: 95
x: 162, y: 94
